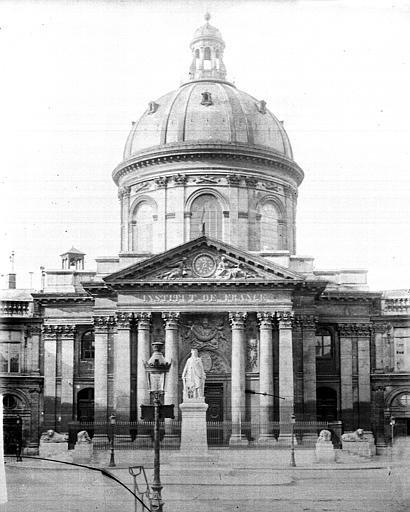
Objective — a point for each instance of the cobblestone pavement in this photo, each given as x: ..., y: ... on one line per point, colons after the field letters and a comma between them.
x: 39, y: 486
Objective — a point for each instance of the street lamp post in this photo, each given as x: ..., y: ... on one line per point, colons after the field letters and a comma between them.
x: 157, y: 368
x: 292, y: 441
x: 112, y: 420
x: 19, y: 440
x: 392, y: 423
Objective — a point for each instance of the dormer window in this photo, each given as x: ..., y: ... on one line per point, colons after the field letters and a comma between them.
x: 261, y: 107
x: 206, y: 99
x: 152, y: 107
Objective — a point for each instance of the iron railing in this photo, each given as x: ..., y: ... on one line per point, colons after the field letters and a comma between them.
x: 139, y: 434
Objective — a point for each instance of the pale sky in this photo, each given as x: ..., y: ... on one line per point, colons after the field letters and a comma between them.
x: 74, y: 75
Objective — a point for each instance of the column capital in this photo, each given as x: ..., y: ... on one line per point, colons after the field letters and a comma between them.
x: 124, y: 320
x: 103, y: 323
x: 285, y: 319
x: 54, y: 330
x: 143, y: 320
x: 171, y: 319
x: 237, y: 320
x: 307, y: 322
x: 33, y: 329
x: 354, y: 330
x: 265, y: 319
x: 68, y: 331
x: 380, y: 327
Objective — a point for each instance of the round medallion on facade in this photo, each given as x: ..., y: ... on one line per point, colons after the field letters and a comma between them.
x: 204, y: 265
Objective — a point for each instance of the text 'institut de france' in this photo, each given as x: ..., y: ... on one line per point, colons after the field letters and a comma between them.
x: 208, y: 190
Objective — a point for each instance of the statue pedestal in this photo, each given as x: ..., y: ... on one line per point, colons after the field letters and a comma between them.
x: 193, y: 427
x: 55, y: 451
x: 325, y: 452
x: 82, y: 453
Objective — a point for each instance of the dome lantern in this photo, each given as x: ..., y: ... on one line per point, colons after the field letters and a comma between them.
x: 207, y: 53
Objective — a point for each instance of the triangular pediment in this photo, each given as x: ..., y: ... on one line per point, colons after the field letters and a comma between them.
x: 204, y: 259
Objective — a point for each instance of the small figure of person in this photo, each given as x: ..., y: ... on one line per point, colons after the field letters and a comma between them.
x: 193, y: 376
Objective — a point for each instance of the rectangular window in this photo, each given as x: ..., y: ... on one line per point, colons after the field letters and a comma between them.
x: 401, y: 350
x: 9, y: 357
x: 324, y: 346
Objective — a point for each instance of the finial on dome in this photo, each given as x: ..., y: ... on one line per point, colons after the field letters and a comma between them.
x: 207, y: 17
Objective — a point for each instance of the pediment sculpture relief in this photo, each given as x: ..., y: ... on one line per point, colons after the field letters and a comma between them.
x: 205, y: 265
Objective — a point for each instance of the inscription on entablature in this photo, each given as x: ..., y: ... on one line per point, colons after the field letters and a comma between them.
x: 188, y: 298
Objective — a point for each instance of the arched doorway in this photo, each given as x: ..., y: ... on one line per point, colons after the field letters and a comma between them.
x: 12, y: 423
x: 85, y: 405
x: 326, y: 404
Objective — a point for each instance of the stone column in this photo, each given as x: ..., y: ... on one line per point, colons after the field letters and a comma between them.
x: 286, y: 384
x: 172, y: 356
x: 171, y: 382
x: 266, y: 436
x: 238, y: 378
x: 143, y: 354
x: 346, y: 383
x: 122, y: 367
x: 363, y: 355
x: 309, y: 367
x: 102, y: 326
x: 67, y: 375
x: 50, y: 373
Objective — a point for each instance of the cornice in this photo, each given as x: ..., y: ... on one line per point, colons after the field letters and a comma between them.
x: 184, y: 152
x: 349, y: 296
x: 58, y: 298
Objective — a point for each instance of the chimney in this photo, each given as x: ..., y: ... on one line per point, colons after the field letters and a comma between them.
x: 12, y: 281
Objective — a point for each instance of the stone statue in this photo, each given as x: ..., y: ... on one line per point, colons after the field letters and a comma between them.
x: 324, y: 436
x: 357, y: 435
x: 193, y: 376
x: 83, y: 437
x: 53, y: 437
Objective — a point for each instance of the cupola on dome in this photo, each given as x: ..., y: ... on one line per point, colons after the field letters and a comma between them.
x: 207, y: 109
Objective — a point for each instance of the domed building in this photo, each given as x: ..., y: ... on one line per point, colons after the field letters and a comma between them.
x: 208, y: 192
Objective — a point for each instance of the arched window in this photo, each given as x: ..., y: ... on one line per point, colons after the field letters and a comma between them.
x: 87, y: 346
x: 206, y: 211
x: 269, y: 227
x: 197, y: 53
x: 324, y: 344
x: 207, y: 53
x: 143, y: 226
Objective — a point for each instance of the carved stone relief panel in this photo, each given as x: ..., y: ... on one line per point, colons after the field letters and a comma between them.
x: 208, y: 332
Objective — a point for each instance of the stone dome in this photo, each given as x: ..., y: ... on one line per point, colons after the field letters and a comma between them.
x: 212, y: 111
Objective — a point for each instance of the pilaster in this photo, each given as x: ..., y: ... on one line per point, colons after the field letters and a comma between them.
x: 102, y: 327
x: 122, y: 367
x: 308, y: 324
x: 67, y: 374
x: 49, y: 334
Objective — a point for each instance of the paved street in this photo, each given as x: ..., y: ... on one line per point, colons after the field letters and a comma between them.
x: 244, y: 483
